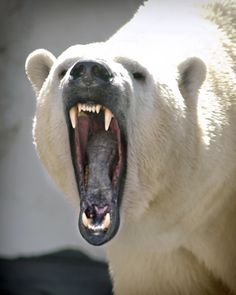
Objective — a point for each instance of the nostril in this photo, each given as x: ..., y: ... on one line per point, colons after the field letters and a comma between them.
x: 78, y: 71
x: 100, y: 72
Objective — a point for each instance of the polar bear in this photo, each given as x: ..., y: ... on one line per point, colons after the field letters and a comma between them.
x: 140, y: 132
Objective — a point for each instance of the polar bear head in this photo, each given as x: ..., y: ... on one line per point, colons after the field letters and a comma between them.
x: 112, y: 134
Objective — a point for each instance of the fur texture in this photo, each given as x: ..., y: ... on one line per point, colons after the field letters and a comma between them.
x: 178, y: 210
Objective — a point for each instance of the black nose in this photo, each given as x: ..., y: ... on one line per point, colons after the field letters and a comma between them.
x: 89, y: 73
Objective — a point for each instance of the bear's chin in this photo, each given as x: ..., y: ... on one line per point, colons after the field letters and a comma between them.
x: 99, y: 233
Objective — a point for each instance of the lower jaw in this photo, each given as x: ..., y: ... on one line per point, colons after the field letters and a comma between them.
x: 99, y: 238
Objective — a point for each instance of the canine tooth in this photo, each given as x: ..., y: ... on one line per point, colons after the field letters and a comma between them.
x: 85, y: 220
x: 73, y: 115
x: 94, y: 108
x: 107, y: 220
x: 98, y: 108
x: 108, y: 117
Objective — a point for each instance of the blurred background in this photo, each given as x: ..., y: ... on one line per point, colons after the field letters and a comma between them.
x: 34, y: 216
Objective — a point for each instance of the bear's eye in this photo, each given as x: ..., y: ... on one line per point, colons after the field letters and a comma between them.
x: 139, y: 76
x: 62, y: 74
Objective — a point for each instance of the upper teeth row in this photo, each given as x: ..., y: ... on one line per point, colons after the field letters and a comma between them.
x: 76, y: 110
x: 89, y: 108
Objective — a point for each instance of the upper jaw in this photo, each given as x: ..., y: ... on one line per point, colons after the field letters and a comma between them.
x: 81, y: 109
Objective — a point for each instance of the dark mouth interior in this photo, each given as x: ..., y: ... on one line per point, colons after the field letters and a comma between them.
x: 96, y: 150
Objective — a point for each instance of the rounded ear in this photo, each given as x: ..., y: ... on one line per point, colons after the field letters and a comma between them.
x: 37, y: 67
x: 192, y: 73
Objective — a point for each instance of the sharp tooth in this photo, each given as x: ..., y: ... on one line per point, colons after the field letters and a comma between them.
x: 94, y: 108
x: 98, y: 108
x: 79, y: 107
x: 108, y: 117
x: 73, y: 115
x: 85, y: 220
x: 84, y: 107
x: 107, y: 220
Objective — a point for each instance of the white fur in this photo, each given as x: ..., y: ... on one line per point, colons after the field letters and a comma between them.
x: 178, y: 210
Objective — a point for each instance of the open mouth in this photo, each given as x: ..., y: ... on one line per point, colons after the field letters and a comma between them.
x: 98, y: 149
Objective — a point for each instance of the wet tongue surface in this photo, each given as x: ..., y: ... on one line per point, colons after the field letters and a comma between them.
x: 101, y: 154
